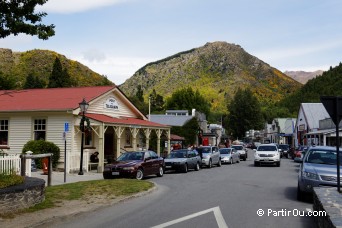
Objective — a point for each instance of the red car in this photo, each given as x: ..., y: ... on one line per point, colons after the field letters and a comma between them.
x: 136, y: 164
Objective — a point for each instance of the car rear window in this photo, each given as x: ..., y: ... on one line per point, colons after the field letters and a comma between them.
x: 224, y: 151
x: 267, y: 148
x: 238, y: 147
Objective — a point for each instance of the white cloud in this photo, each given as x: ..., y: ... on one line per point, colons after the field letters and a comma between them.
x: 117, y: 69
x: 72, y: 6
x: 15, y: 41
x: 285, y: 52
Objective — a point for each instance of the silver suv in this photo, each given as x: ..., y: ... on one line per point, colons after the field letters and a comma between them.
x: 210, y: 156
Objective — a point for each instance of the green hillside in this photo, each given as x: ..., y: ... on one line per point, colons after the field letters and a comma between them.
x: 217, y: 70
x: 18, y: 65
x: 327, y: 84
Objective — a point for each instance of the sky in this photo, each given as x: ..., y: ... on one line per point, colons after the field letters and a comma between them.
x: 117, y: 37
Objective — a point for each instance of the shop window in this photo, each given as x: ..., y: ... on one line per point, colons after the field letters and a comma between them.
x: 3, y: 132
x: 39, y: 129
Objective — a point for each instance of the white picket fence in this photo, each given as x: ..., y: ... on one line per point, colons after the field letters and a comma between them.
x: 10, y: 163
x: 74, y: 161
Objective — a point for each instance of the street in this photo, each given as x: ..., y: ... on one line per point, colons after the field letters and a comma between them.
x: 227, y: 196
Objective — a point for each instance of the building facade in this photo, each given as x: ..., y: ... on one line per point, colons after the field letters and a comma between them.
x: 116, y: 125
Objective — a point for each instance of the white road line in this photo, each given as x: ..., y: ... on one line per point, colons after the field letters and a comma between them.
x: 217, y: 213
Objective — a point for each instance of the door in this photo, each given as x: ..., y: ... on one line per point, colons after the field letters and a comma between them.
x: 109, y: 149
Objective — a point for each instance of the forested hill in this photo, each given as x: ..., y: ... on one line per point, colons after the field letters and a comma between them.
x: 328, y: 84
x: 217, y: 70
x: 17, y: 66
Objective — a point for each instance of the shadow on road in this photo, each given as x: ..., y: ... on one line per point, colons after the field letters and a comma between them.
x: 291, y: 194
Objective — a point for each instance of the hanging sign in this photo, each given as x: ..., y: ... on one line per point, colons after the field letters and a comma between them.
x: 111, y: 104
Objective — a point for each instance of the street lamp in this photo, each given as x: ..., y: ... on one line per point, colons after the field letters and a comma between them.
x: 83, y: 107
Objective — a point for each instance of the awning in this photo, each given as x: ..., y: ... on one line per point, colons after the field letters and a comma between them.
x: 124, y: 121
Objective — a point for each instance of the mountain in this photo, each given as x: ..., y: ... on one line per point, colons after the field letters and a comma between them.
x: 40, y: 63
x: 327, y: 84
x: 217, y: 70
x: 303, y: 76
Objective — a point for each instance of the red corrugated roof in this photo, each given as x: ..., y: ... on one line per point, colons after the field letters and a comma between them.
x: 123, y: 120
x: 48, y: 99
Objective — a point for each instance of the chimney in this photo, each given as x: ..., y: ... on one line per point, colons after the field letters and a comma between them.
x: 193, y: 112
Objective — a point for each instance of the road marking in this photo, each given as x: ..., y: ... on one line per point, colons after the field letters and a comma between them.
x: 217, y: 213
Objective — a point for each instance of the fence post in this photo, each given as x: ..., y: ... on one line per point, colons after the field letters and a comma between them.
x: 23, y: 165
x: 28, y: 164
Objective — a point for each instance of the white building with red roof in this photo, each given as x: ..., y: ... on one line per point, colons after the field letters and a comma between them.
x: 116, y: 124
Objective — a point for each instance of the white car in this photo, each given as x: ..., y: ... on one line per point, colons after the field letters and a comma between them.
x: 241, y: 151
x: 267, y: 154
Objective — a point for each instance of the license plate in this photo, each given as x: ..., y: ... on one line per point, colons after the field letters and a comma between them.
x: 115, y: 173
x: 168, y: 166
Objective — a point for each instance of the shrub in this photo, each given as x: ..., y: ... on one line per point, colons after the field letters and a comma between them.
x: 43, y: 147
x: 9, y: 180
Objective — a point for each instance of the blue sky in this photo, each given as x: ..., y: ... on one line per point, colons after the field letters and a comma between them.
x: 117, y: 37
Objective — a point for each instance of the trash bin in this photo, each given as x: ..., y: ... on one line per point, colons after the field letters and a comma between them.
x: 45, y: 162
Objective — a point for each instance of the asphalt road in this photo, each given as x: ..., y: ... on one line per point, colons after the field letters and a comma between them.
x: 227, y: 196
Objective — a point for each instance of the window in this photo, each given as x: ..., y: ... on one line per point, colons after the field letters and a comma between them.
x: 39, y: 129
x: 3, y: 132
x: 128, y: 137
x: 88, y: 138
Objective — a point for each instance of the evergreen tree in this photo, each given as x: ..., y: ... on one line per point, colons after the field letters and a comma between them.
x: 33, y: 82
x: 19, y: 17
x: 244, y: 113
x: 140, y: 94
x: 6, y: 82
x: 59, y: 77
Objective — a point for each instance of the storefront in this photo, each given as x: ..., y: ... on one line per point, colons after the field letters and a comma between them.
x: 115, y: 124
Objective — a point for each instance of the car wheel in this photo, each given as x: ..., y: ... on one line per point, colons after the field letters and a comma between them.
x: 140, y: 174
x: 219, y: 163
x: 210, y: 164
x: 244, y: 158
x: 161, y: 172
x: 278, y: 164
x: 256, y: 163
x: 300, y: 194
x: 185, y: 168
x: 238, y: 161
x: 197, y: 167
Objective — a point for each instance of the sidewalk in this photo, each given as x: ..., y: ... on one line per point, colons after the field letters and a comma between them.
x: 57, y: 178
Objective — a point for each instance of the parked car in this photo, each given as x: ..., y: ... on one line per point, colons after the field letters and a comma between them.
x: 183, y: 160
x: 300, y: 154
x: 210, y: 155
x: 297, y: 151
x: 136, y: 164
x: 229, y: 155
x: 284, y: 149
x: 318, y: 168
x: 241, y: 151
x: 267, y: 154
